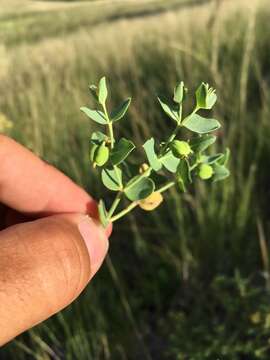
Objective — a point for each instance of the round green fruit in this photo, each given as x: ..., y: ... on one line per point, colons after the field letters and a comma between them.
x: 101, y: 155
x: 180, y: 148
x: 205, y: 171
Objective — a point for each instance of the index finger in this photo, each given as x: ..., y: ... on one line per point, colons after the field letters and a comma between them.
x: 31, y: 186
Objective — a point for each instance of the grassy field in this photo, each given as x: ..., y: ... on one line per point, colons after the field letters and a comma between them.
x: 191, y: 280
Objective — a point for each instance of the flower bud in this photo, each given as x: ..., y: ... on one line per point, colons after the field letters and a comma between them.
x: 151, y: 202
x: 143, y: 168
x: 180, y: 148
x: 205, y: 171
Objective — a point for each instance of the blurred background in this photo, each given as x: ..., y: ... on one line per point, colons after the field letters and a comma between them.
x: 190, y: 280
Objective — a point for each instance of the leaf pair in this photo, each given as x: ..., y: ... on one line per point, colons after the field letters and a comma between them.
x: 100, y: 94
x: 169, y: 161
x: 99, y: 116
x: 139, y: 187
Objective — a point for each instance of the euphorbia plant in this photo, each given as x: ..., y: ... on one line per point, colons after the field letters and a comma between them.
x: 172, y: 162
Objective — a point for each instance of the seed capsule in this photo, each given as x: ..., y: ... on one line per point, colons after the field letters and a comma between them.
x: 180, y: 148
x: 205, y: 171
x: 101, y: 155
x: 151, y: 202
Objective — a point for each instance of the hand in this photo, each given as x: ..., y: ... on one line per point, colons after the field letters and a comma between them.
x: 49, y: 248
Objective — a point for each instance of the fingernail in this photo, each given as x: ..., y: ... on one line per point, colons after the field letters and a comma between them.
x: 96, y: 242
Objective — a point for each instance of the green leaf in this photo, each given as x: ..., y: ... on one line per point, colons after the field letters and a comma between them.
x: 220, y: 172
x: 224, y: 160
x: 200, y: 125
x: 112, y: 179
x: 170, y: 110
x: 96, y: 115
x: 93, y: 90
x: 179, y: 93
x: 139, y: 188
x: 98, y: 137
x: 103, y: 214
x: 201, y: 143
x: 120, y: 111
x: 102, y: 91
x: 149, y: 148
x: 121, y: 150
x: 183, y: 176
x: 170, y: 162
x: 205, y: 97
x: 211, y: 159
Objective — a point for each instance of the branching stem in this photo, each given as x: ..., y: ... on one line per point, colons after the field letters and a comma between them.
x: 125, y: 211
x: 115, y: 204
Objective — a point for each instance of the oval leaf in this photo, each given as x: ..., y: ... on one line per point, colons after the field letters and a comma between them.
x: 179, y: 92
x: 98, y: 137
x: 121, y: 150
x: 201, y: 125
x: 112, y: 179
x: 139, y: 189
x: 225, y: 157
x: 170, y: 110
x: 220, y: 172
x: 202, y: 143
x: 211, y: 159
x: 102, y: 91
x: 120, y: 111
x: 149, y: 147
x: 170, y: 162
x: 96, y: 115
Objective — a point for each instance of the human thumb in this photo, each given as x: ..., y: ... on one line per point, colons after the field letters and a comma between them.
x: 44, y: 266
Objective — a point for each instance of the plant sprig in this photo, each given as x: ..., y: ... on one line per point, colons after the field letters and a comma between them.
x: 178, y: 161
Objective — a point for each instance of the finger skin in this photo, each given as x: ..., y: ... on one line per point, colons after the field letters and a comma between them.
x: 44, y: 266
x: 29, y: 185
x: 33, y: 188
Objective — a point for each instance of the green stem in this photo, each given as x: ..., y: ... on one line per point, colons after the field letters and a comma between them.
x: 115, y: 204
x: 110, y: 126
x: 173, y: 135
x: 171, y: 138
x: 136, y: 203
x: 111, y: 135
x: 166, y: 187
x: 125, y: 211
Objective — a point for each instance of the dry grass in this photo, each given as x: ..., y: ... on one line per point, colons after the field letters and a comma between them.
x: 193, y: 237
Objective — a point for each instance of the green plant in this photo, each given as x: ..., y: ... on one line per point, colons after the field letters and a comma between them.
x: 172, y: 162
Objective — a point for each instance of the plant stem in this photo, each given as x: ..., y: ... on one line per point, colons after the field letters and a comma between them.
x: 171, y: 138
x: 111, y: 136
x: 115, y: 204
x: 136, y: 203
x: 125, y: 211
x: 173, y: 135
x: 166, y: 187
x: 110, y: 127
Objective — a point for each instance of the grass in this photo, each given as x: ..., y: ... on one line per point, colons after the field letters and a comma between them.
x: 198, y: 286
